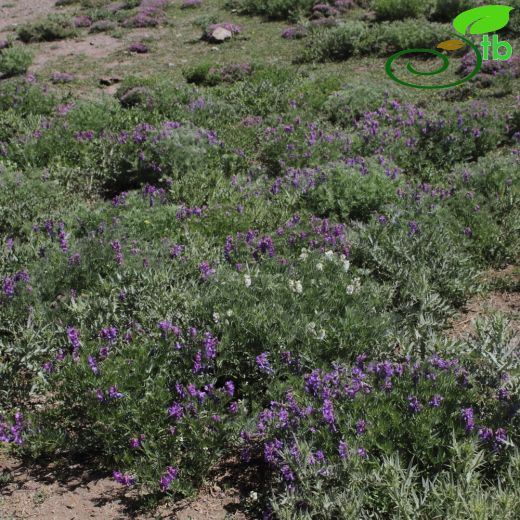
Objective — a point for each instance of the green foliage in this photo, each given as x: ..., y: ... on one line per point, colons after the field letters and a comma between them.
x: 345, y: 106
x: 210, y: 75
x: 355, y: 38
x: 406, y: 34
x: 401, y: 9
x: 54, y: 27
x: 336, y: 44
x: 14, y: 61
x: 349, y: 194
x: 277, y: 9
x: 447, y: 10
x: 301, y: 215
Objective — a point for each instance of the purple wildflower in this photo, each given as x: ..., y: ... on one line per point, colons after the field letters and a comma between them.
x: 263, y: 363
x: 435, y: 401
x: 73, y: 336
x: 467, y: 417
x: 230, y: 388
x: 414, y: 405
x: 113, y: 393
x: 138, y: 48
x: 123, y: 479
x: 343, y: 450
x: 93, y: 365
x: 328, y: 413
x: 166, y: 480
x: 205, y: 270
x: 361, y: 427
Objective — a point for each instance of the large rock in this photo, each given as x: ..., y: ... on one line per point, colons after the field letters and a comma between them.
x: 220, y: 35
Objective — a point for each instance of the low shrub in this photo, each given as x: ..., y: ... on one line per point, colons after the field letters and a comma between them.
x: 345, y: 193
x: 388, y: 38
x: 278, y: 9
x: 344, y: 106
x: 337, y: 44
x: 211, y: 75
x: 446, y: 10
x: 54, y: 27
x: 15, y: 60
x: 401, y: 9
x: 103, y: 26
x: 355, y: 38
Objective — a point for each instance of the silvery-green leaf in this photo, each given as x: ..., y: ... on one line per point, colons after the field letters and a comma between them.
x: 481, y: 20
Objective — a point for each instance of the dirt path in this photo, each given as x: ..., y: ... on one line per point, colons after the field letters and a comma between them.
x: 16, y: 12
x: 62, y: 491
x: 504, y: 302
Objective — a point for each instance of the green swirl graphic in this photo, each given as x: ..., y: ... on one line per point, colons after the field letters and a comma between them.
x: 441, y: 69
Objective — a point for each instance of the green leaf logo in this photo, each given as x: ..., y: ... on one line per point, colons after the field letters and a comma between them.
x: 481, y: 20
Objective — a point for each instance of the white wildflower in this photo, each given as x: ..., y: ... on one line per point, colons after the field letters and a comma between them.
x: 296, y: 286
x: 329, y: 254
x: 247, y: 280
x: 354, y: 287
x: 216, y: 317
x: 319, y: 266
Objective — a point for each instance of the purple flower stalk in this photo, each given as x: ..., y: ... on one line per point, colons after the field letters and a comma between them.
x: 414, y: 405
x: 467, y: 417
x: 166, y: 480
x: 138, y: 48
x: 361, y: 427
x: 205, y: 270
x: 343, y: 450
x: 73, y: 337
x: 93, y: 365
x: 113, y: 393
x: 328, y: 413
x: 435, y: 401
x: 123, y: 479
x: 263, y: 363
x: 230, y: 388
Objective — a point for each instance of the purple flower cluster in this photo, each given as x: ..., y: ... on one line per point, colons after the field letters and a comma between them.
x: 116, y: 246
x: 187, y: 4
x: 295, y: 33
x: 490, y: 68
x: 62, y: 77
x: 344, y: 5
x: 150, y: 14
x: 73, y: 336
x: 12, y: 433
x: 123, y: 479
x: 262, y: 362
x: 317, y: 234
x: 166, y: 480
x: 231, y: 73
x: 206, y: 271
x: 328, y: 396
x: 82, y: 21
x: 468, y: 418
x: 9, y: 283
x: 324, y: 10
x: 138, y: 48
